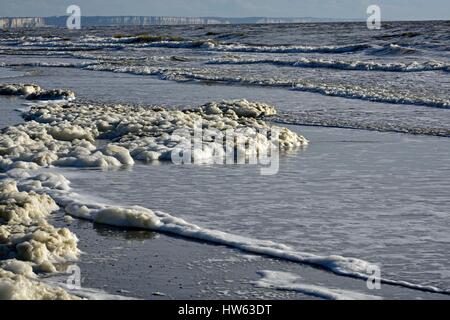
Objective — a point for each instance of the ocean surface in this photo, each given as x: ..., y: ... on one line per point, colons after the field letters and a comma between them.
x: 373, y: 183
x: 403, y: 68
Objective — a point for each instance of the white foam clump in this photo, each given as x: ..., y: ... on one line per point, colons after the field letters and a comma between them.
x: 29, y: 242
x: 19, y: 287
x: 242, y: 108
x: 127, y: 217
x: 23, y: 208
x: 18, y: 267
x: 18, y: 89
x: 35, y: 92
x: 288, y: 281
x: 65, y: 134
x: 24, y: 231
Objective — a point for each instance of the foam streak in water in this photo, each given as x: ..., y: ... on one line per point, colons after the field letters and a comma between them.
x: 340, y: 64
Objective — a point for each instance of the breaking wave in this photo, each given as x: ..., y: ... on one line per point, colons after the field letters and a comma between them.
x: 340, y: 64
x: 391, y: 49
x: 336, y: 90
x: 96, y: 43
x: 330, y: 89
x: 284, y: 49
x: 316, y: 119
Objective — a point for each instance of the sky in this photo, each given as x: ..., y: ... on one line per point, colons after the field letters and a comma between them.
x: 340, y: 9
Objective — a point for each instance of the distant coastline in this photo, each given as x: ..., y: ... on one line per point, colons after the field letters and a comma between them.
x: 93, y: 21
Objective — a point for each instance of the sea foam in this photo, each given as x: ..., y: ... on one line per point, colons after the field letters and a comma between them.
x: 35, y: 92
x: 291, y: 282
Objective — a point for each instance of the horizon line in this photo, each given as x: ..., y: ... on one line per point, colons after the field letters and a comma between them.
x: 233, y: 17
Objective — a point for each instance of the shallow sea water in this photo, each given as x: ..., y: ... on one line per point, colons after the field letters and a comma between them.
x: 378, y: 197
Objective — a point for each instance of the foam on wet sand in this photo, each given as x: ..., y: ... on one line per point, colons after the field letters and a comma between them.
x: 35, y: 92
x: 30, y: 243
